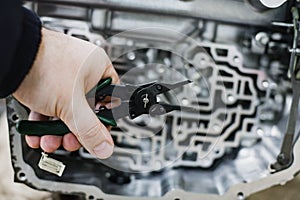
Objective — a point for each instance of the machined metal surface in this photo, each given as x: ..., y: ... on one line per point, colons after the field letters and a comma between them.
x: 240, y: 94
x: 212, y: 10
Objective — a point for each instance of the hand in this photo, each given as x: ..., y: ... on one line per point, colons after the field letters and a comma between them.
x: 65, y: 69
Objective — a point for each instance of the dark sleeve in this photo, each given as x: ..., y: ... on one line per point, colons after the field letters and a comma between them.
x: 20, y: 37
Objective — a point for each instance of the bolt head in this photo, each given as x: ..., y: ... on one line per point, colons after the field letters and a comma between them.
x: 159, y: 87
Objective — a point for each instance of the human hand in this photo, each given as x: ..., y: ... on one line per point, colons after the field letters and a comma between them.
x: 64, y: 70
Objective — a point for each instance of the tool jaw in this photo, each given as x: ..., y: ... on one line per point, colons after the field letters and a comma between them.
x: 141, y: 101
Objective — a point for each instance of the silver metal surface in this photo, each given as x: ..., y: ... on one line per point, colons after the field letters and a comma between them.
x: 229, y: 11
x: 240, y: 94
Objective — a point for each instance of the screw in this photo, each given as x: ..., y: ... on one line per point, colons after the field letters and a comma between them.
x: 101, y: 98
x: 159, y: 87
x: 132, y: 115
x: 98, y: 42
x: 145, y: 100
x: 282, y: 159
x: 131, y: 56
x: 102, y: 108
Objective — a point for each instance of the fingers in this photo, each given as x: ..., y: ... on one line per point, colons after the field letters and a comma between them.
x: 70, y: 142
x: 110, y: 72
x: 34, y: 141
x: 50, y: 143
x: 88, y: 129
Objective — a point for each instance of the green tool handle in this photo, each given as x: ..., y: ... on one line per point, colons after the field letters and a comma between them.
x: 57, y: 127
x: 40, y: 128
x: 103, y: 83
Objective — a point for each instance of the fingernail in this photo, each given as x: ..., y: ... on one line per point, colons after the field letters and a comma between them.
x: 103, y: 150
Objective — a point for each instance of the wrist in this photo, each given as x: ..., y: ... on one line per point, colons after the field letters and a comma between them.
x: 25, y: 54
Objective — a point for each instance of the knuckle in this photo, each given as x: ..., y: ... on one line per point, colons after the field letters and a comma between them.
x: 102, y: 53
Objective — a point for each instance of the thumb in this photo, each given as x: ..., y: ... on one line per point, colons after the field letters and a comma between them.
x: 88, y: 129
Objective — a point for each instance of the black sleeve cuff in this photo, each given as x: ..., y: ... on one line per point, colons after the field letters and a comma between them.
x: 28, y: 45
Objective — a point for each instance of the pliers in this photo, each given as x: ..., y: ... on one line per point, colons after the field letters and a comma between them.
x: 136, y: 100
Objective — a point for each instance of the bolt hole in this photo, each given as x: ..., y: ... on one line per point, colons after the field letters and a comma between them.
x: 91, y: 197
x: 236, y: 59
x: 177, y: 199
x: 15, y: 117
x: 21, y: 176
x: 240, y: 196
